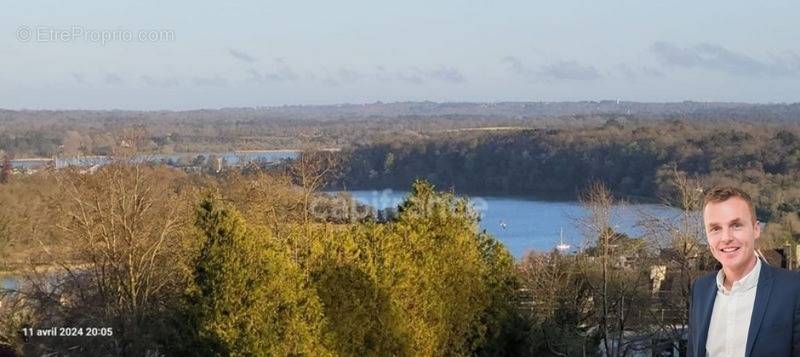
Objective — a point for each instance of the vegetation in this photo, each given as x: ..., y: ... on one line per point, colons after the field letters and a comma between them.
x: 44, y: 133
x: 633, y: 160
x: 247, y: 297
x: 256, y: 261
x: 129, y: 254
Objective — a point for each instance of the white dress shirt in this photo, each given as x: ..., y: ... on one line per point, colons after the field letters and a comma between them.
x: 730, y: 319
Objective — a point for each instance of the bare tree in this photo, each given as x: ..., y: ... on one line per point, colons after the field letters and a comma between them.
x: 123, y: 224
x: 264, y: 197
x: 597, y: 226
x: 556, y: 300
x: 311, y: 170
x: 618, y: 289
x: 131, y: 142
x: 683, y: 255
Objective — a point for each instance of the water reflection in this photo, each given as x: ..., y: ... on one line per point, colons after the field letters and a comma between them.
x: 9, y: 283
x: 524, y: 224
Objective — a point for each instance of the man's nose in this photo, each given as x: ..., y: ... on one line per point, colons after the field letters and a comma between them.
x: 727, y: 235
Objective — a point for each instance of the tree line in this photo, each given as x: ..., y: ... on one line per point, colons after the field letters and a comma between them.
x: 44, y: 133
x: 633, y: 160
x: 180, y: 264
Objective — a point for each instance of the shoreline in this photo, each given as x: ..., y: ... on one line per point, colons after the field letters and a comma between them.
x: 545, y: 197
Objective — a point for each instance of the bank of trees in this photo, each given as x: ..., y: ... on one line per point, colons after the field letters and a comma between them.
x: 181, y: 264
x: 46, y: 133
x: 426, y: 284
x: 631, y: 159
x: 626, y: 157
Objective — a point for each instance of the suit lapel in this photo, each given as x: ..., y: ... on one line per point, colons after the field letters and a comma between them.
x: 764, y: 288
x: 707, y: 305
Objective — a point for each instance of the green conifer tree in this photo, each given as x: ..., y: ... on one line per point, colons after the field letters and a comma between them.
x: 248, y: 297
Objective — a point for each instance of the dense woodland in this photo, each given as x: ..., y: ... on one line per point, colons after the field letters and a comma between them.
x: 633, y: 160
x: 45, y: 133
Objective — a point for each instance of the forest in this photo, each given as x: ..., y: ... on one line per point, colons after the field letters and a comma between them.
x: 44, y: 133
x: 634, y: 160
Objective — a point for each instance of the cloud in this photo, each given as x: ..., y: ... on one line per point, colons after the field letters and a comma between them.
x: 446, y: 74
x: 383, y: 75
x: 411, y: 75
x: 280, y: 72
x: 242, y: 56
x: 284, y: 74
x: 652, y: 72
x: 634, y: 72
x: 716, y: 57
x: 627, y: 71
x: 570, y: 70
x: 341, y: 76
x: 348, y: 76
x: 515, y: 65
x: 562, y: 70
x: 79, y: 78
x: 113, y: 79
x: 344, y: 76
x: 160, y: 82
x: 416, y: 75
x: 209, y: 81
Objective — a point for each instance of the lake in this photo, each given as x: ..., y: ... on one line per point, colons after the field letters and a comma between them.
x: 524, y: 224
x: 230, y: 158
x: 9, y: 282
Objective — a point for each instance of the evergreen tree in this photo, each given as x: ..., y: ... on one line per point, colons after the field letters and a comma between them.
x: 435, y: 272
x: 346, y: 272
x: 249, y: 299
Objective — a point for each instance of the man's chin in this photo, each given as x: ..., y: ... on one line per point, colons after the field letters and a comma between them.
x: 737, y: 263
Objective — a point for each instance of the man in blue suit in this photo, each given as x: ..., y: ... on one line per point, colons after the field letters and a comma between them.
x: 748, y: 308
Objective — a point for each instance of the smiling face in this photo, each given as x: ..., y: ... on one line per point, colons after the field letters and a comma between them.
x: 732, y: 231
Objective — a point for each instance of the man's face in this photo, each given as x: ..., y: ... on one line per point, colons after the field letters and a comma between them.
x: 732, y: 232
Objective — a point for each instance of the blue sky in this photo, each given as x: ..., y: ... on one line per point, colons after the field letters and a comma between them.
x: 251, y: 53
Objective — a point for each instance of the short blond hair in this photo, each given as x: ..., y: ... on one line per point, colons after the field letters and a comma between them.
x: 724, y: 193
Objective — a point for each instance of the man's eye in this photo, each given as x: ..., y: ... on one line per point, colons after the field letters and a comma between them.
x: 737, y: 226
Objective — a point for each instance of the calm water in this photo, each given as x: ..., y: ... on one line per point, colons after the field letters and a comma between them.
x: 230, y: 158
x: 8, y: 282
x: 525, y: 224
x: 522, y: 224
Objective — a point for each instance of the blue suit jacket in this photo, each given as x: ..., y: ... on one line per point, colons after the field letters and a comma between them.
x: 774, y: 329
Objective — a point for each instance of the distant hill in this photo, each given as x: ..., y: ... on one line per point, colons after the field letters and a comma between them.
x: 542, y: 109
x: 506, y: 110
x: 44, y: 133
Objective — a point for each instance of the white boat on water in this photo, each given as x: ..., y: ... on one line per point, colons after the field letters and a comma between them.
x: 562, y: 247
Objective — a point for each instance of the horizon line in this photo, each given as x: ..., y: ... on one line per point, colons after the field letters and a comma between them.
x: 344, y: 104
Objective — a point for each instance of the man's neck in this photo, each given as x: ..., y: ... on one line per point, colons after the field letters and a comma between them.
x: 732, y: 276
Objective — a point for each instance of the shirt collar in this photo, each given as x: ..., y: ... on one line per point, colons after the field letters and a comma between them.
x: 746, y: 283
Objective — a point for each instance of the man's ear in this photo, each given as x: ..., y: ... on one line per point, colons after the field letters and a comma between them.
x: 757, y: 229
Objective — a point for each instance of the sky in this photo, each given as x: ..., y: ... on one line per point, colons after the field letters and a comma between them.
x: 176, y: 55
